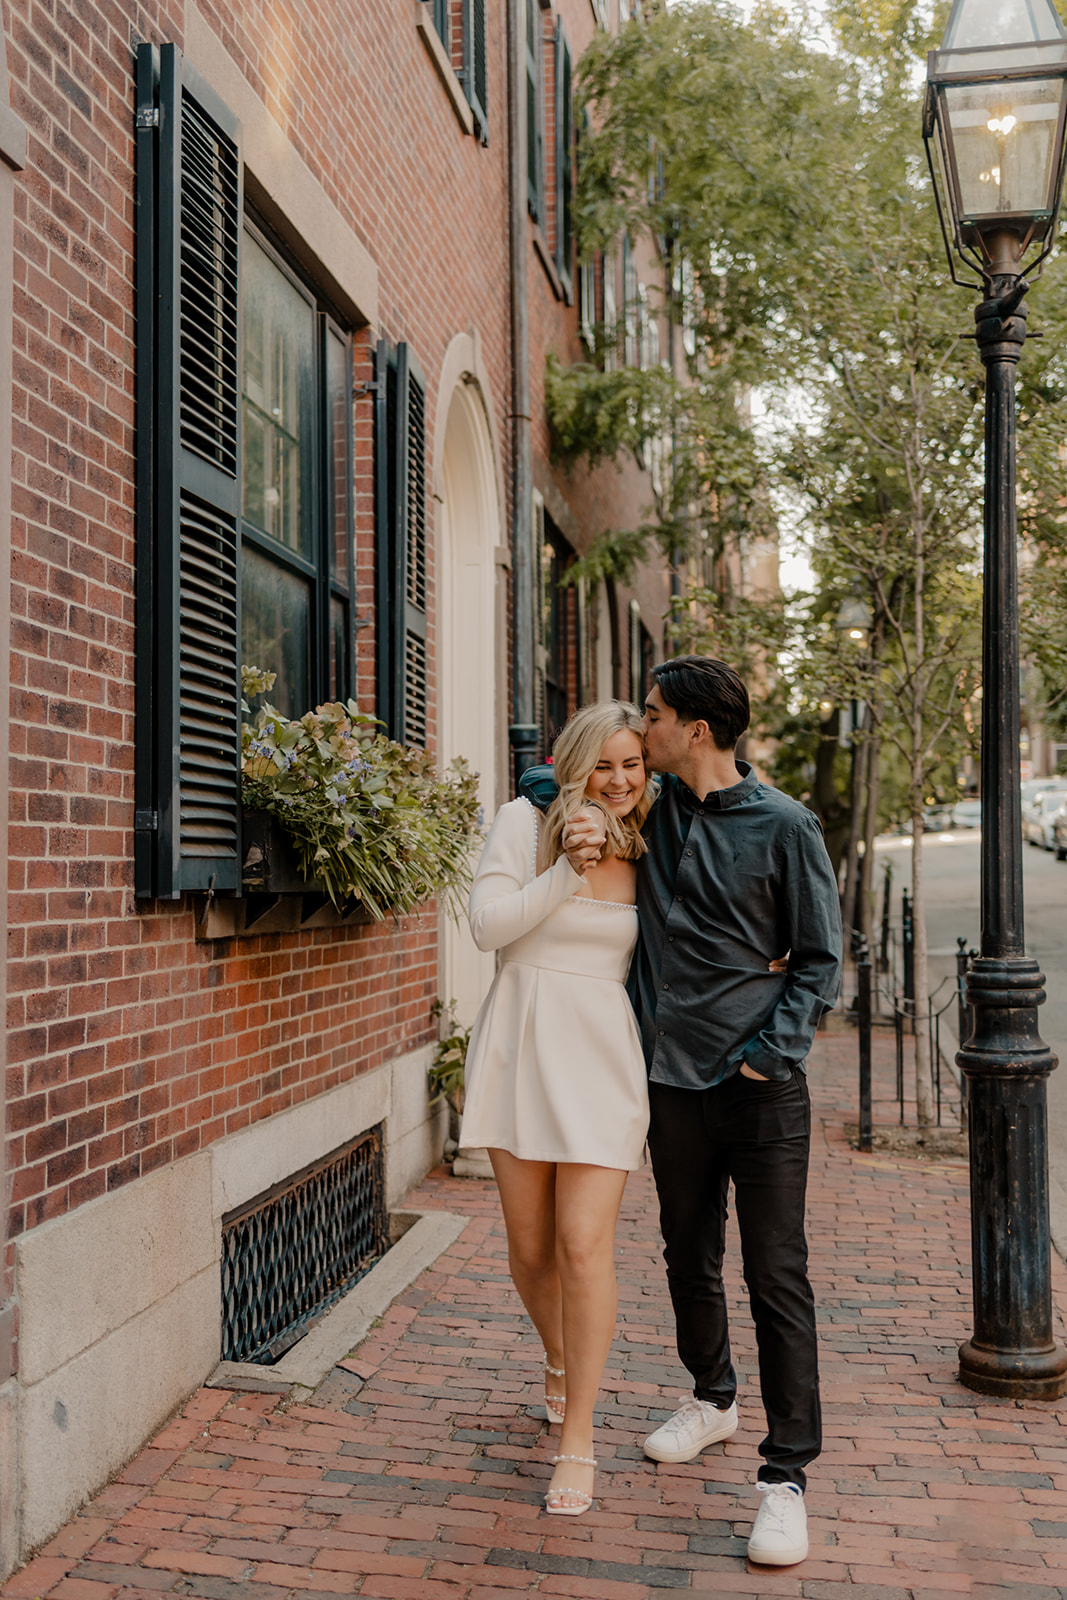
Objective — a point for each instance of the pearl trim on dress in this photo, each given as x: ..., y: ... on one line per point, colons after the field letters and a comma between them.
x: 582, y: 899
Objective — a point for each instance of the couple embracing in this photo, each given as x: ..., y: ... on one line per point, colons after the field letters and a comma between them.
x: 711, y: 898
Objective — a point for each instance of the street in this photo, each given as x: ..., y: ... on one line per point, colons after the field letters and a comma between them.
x: 951, y: 862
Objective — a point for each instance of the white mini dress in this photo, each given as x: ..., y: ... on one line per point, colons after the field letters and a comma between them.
x: 554, y: 1068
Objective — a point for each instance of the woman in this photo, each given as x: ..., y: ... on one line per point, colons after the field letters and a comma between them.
x: 556, y: 1087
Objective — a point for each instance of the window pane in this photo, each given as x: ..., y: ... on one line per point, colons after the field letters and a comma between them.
x: 279, y: 346
x: 275, y: 628
x: 340, y: 669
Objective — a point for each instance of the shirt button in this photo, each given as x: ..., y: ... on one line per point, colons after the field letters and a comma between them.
x: 670, y: 938
x: 689, y: 852
x: 662, y: 1033
x: 666, y: 985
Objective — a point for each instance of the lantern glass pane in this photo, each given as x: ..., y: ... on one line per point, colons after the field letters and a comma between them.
x: 1003, y: 136
x: 976, y: 23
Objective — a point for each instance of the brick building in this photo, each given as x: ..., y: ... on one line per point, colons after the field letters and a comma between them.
x: 281, y: 283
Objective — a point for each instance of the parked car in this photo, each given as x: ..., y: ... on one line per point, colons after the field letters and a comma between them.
x: 937, y: 819
x: 1038, y: 814
x: 967, y: 814
x: 1059, y: 833
x: 1034, y: 786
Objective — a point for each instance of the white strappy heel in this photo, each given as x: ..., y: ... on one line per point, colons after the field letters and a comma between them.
x: 553, y: 1496
x: 555, y: 1404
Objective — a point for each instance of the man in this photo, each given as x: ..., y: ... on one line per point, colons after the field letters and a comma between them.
x: 736, y: 878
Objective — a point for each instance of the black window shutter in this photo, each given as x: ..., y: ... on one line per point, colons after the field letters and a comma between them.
x: 387, y: 555
x: 411, y: 498
x: 189, y: 208
x: 564, y: 159
x: 533, y: 109
x: 475, y: 65
x: 401, y: 544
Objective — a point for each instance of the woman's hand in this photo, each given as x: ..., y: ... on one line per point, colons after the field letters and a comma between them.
x: 584, y: 838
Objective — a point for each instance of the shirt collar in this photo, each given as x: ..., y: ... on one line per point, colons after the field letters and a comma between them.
x: 720, y: 799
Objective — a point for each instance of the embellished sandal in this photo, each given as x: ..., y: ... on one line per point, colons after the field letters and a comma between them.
x: 553, y: 1497
x: 555, y: 1404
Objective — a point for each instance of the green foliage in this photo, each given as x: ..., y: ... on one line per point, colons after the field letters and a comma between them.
x: 446, y: 1070
x: 725, y: 140
x: 749, y: 632
x: 1043, y: 626
x: 794, y: 181
x: 372, y: 820
x: 598, y: 415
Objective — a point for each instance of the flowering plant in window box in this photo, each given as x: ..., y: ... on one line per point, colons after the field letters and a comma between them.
x: 370, y: 820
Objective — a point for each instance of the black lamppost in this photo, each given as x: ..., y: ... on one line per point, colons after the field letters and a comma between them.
x: 994, y: 113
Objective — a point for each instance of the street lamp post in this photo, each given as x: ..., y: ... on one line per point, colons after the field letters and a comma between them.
x: 994, y: 114
x: 853, y: 622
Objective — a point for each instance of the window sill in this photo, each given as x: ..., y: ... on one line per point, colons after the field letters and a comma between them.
x: 545, y: 257
x: 438, y: 55
x: 12, y: 140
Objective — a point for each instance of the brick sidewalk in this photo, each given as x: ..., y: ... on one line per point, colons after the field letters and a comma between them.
x: 419, y: 1475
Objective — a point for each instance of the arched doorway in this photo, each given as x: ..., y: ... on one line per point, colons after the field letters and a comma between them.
x: 467, y: 652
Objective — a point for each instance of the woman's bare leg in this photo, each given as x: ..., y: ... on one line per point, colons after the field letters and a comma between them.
x: 528, y: 1198
x: 587, y: 1204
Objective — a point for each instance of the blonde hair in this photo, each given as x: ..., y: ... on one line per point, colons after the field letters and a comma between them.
x: 575, y: 756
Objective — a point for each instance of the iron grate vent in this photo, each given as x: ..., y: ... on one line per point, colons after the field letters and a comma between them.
x: 290, y: 1254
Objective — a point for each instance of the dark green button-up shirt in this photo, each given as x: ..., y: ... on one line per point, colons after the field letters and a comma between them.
x: 730, y: 883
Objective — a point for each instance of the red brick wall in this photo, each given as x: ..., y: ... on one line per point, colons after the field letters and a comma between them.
x: 130, y: 1043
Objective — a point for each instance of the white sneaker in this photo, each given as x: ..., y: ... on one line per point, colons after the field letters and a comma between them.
x: 780, y: 1532
x: 686, y: 1434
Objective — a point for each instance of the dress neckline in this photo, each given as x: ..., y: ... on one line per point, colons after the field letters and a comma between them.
x: 583, y: 899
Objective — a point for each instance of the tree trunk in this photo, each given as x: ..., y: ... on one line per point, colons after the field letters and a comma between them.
x: 824, y: 800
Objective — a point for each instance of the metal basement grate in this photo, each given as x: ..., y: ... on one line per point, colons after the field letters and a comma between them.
x: 293, y: 1252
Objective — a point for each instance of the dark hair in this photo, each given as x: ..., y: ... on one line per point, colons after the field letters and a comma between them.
x: 699, y: 688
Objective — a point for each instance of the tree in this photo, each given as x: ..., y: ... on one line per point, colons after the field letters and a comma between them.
x: 794, y: 183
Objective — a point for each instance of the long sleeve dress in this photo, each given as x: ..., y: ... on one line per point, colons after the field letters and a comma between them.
x: 554, y: 1067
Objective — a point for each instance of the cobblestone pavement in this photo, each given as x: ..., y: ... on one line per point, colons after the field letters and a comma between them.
x: 416, y: 1471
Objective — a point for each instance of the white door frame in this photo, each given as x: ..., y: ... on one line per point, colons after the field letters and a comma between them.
x: 468, y: 699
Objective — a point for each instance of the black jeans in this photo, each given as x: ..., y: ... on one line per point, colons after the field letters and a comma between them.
x: 758, y: 1135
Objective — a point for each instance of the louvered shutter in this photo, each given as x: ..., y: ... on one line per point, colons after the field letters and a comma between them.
x: 401, y: 545
x: 611, y: 328
x: 189, y: 208
x: 388, y: 676
x: 564, y: 159
x: 533, y: 110
x: 411, y: 496
x: 475, y: 65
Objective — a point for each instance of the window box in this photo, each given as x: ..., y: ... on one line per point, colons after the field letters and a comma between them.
x: 271, y: 864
